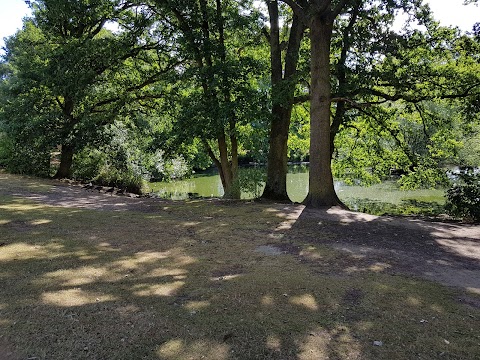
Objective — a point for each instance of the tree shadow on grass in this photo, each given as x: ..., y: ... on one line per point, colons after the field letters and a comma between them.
x: 433, y: 250
x: 187, y: 282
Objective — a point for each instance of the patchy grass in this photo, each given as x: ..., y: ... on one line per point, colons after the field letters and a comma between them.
x: 187, y: 281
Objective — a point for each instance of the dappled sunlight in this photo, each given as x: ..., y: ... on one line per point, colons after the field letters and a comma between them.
x: 465, y: 248
x: 197, y: 305
x: 40, y: 222
x: 179, y: 349
x: 291, y: 218
x: 21, y: 207
x: 365, y: 326
x: 345, y: 345
x: 222, y: 281
x: 311, y: 253
x: 272, y: 210
x: 140, y: 259
x: 226, y: 277
x: 413, y: 301
x: 379, y: 267
x: 305, y: 300
x: 315, y: 346
x: 166, y: 289
x: 267, y: 300
x: 176, y: 273
x: 190, y: 223
x: 23, y: 251
x: 80, y: 276
x: 74, y: 297
x: 347, y: 217
x: 4, y: 322
x: 474, y: 290
x: 274, y: 343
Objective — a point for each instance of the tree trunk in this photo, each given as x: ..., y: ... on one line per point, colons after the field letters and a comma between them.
x: 66, y: 161
x: 276, y: 185
x: 321, y: 188
x: 229, y: 178
x: 283, y: 88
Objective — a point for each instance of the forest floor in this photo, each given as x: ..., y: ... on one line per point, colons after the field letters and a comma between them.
x: 89, y: 275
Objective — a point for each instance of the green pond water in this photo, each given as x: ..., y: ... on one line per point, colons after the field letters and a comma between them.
x: 377, y: 199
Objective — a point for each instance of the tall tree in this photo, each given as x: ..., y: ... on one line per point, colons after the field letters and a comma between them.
x: 80, y: 69
x: 284, y: 81
x: 319, y: 16
x: 322, y: 17
x: 215, y: 38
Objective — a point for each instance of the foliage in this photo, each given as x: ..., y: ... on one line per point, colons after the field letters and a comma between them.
x: 127, y: 179
x: 425, y: 176
x: 176, y: 168
x: 406, y: 207
x: 108, y: 168
x: 298, y: 140
x: 23, y: 158
x: 186, y: 85
x: 252, y: 180
x: 463, y: 198
x: 87, y: 163
x: 126, y: 161
x: 469, y: 154
x: 67, y: 77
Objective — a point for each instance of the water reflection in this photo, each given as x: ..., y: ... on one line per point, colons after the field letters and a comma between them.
x: 378, y: 198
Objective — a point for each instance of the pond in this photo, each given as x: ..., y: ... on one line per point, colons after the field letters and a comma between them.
x: 381, y: 198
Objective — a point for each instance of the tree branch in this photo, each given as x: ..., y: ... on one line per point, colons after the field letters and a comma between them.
x: 338, y: 9
x: 297, y: 9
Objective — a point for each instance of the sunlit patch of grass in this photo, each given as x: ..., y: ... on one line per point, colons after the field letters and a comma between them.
x: 73, y: 297
x: 178, y: 349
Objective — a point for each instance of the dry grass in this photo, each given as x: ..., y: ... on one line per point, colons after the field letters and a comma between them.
x: 186, y: 281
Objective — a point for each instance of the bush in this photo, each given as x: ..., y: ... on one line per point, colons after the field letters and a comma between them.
x: 176, y: 169
x: 23, y: 158
x: 124, y: 179
x: 463, y: 198
x: 87, y: 164
x: 102, y: 168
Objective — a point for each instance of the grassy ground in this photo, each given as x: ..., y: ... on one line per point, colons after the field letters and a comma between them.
x: 204, y: 280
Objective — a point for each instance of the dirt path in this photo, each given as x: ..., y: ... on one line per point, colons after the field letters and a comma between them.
x: 444, y: 252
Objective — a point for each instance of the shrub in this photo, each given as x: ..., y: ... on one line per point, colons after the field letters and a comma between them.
x: 124, y: 179
x: 23, y: 158
x: 87, y: 164
x: 177, y: 168
x: 463, y: 198
x: 104, y: 169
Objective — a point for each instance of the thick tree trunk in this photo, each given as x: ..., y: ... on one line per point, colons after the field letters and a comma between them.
x: 276, y: 185
x: 66, y: 161
x: 228, y: 170
x: 283, y: 85
x: 321, y: 187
